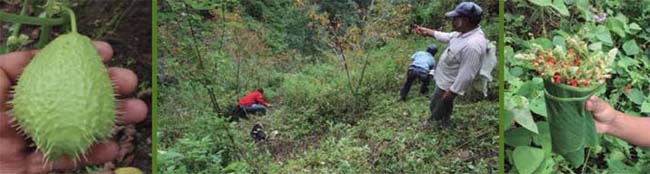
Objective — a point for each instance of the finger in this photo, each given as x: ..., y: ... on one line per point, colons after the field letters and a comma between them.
x: 97, y: 154
x: 5, y: 87
x: 6, y: 127
x: 600, y: 127
x: 11, y: 143
x: 132, y: 111
x: 124, y: 80
x: 594, y: 104
x: 104, y: 49
x: 12, y: 64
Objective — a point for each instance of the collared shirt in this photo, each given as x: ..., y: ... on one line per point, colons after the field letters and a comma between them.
x: 461, y: 61
x: 423, y: 60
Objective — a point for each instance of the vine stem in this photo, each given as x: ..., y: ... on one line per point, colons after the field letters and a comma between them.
x: 13, y: 18
x: 23, y: 11
x: 584, y: 165
x: 73, y: 19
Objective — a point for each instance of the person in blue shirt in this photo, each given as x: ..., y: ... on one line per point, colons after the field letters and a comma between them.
x: 421, y: 63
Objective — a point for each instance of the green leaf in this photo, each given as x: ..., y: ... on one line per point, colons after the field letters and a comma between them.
x: 522, y: 114
x: 596, y: 46
x: 634, y: 28
x: 636, y: 96
x: 517, y: 137
x: 625, y: 62
x: 558, y: 40
x: 538, y: 106
x: 560, y: 7
x: 617, y: 26
x: 508, y: 52
x: 544, y: 137
x: 527, y: 159
x: 543, y: 3
x: 507, y: 120
x: 618, y: 166
x: 631, y: 48
x: 616, y: 155
x: 527, y: 89
x: 547, y: 166
x: 544, y: 42
x: 516, y: 71
x: 645, y: 107
x: 583, y: 7
x: 602, y: 33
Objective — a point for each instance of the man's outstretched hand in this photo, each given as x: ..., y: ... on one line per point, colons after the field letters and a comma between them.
x: 16, y: 157
x: 422, y: 30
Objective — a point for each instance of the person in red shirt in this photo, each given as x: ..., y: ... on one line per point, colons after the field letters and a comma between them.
x: 254, y: 102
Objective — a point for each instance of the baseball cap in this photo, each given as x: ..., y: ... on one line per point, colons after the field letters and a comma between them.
x: 467, y: 9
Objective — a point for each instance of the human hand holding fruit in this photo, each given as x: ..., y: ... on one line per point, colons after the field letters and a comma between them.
x: 19, y: 157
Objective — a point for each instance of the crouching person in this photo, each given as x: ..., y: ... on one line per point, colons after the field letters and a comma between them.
x: 254, y: 102
x: 421, y: 63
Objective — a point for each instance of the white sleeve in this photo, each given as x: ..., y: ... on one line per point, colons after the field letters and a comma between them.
x: 443, y: 37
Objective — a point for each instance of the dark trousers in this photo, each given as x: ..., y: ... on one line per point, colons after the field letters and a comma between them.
x: 413, y: 74
x: 441, y: 109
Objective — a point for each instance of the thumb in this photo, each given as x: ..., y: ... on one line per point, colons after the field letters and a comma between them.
x: 595, y: 105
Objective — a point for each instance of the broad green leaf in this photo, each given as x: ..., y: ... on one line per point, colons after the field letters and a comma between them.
x: 515, y: 83
x: 625, y: 62
x: 645, y: 107
x: 634, y: 28
x: 602, y: 33
x: 527, y: 89
x: 538, y: 106
x: 617, y: 26
x: 508, y: 51
x: 544, y: 42
x: 527, y: 159
x: 524, y: 118
x: 618, y: 166
x: 583, y: 6
x: 507, y: 120
x: 542, y: 3
x: 631, y: 48
x: 544, y: 137
x: 558, y: 40
x: 616, y: 155
x: 636, y: 96
x: 597, y: 46
x: 547, y: 166
x: 517, y: 137
x: 560, y: 7
x: 522, y: 114
x: 516, y: 71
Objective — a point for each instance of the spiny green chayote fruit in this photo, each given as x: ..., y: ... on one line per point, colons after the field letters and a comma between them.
x: 64, y: 98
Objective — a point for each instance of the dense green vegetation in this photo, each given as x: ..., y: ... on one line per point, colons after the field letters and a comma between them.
x: 604, y: 24
x: 332, y: 71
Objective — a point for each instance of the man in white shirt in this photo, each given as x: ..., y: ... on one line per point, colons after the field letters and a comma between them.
x: 460, y: 62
